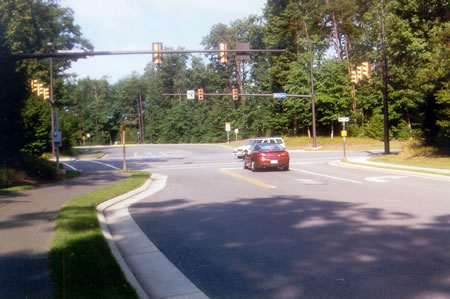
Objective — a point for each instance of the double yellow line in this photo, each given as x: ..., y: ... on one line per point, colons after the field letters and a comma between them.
x: 250, y: 180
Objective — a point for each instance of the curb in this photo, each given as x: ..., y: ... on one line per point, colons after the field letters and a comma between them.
x: 144, y: 266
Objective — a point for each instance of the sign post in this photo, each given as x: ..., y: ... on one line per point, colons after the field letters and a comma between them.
x: 122, y: 129
x: 228, y: 129
x: 236, y: 131
x: 343, y: 120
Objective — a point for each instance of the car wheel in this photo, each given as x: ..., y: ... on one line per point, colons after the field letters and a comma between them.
x: 252, y: 166
x: 286, y: 168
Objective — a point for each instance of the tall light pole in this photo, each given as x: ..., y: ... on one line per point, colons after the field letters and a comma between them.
x: 52, y: 102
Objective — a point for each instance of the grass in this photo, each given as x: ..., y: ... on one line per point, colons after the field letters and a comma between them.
x: 327, y: 143
x: 70, y: 174
x: 414, y: 154
x: 87, y: 153
x: 81, y: 262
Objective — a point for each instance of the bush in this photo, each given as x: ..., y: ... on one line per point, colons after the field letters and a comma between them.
x: 11, y: 177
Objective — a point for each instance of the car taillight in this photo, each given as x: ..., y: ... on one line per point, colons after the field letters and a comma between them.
x: 261, y: 154
x: 285, y: 154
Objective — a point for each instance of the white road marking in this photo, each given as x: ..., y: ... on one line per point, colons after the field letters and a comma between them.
x: 135, y: 154
x: 309, y: 182
x: 384, y: 179
x: 113, y: 167
x: 70, y: 166
x: 327, y: 176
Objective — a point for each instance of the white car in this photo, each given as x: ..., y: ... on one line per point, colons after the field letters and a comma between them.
x: 239, y: 152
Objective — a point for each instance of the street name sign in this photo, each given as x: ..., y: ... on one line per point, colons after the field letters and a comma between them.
x: 344, y: 119
x: 279, y: 95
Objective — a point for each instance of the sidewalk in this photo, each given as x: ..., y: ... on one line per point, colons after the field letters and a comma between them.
x: 27, y: 228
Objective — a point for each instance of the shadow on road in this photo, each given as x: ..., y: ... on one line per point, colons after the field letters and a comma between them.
x: 294, y: 247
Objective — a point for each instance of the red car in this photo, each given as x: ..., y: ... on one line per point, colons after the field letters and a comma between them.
x: 266, y: 155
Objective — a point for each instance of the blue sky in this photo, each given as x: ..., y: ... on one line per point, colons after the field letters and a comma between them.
x: 117, y: 25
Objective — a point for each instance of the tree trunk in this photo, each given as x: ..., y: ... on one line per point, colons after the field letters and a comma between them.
x: 336, y: 36
x: 332, y: 130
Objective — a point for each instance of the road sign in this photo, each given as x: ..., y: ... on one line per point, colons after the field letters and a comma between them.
x: 228, y: 126
x: 190, y: 94
x: 344, y: 119
x: 236, y: 131
x: 279, y: 95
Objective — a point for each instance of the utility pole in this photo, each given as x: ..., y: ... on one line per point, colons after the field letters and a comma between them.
x: 385, y: 87
x: 52, y: 102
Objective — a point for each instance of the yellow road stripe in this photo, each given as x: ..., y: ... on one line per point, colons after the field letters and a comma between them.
x: 250, y: 180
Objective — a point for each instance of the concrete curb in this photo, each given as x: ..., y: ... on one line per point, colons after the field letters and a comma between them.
x: 145, y: 267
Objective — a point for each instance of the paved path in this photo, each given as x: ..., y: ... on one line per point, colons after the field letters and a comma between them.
x: 27, y: 228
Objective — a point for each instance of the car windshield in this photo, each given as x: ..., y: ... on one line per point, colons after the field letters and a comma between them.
x: 268, y: 147
x: 253, y: 141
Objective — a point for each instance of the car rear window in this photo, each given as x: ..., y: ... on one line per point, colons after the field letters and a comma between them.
x: 268, y: 147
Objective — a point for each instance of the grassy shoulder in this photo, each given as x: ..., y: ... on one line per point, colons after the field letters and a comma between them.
x: 414, y: 154
x: 328, y: 143
x: 81, y: 262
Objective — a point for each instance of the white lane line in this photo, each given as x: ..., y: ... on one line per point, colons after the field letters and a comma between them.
x: 70, y: 166
x: 135, y: 155
x: 384, y: 179
x: 327, y: 176
x: 309, y: 182
x: 113, y: 167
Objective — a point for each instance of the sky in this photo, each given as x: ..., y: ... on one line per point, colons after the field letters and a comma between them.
x: 119, y: 25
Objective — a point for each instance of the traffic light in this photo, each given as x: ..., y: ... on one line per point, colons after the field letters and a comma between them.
x: 34, y: 86
x: 200, y: 94
x: 354, y: 77
x: 40, y: 89
x: 365, y: 69
x: 46, y: 93
x: 359, y: 72
x: 157, y: 57
x: 235, y: 94
x: 223, y: 56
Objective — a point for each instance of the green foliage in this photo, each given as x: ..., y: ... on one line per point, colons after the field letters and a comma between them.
x: 79, y: 244
x: 417, y: 37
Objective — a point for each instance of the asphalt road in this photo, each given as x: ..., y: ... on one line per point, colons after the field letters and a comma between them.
x: 317, y: 231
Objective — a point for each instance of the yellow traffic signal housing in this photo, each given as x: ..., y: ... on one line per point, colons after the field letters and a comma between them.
x: 235, y: 94
x: 34, y: 86
x: 157, y: 57
x: 46, y: 93
x: 200, y: 94
x: 359, y: 72
x: 365, y: 69
x: 223, y: 56
x: 40, y: 89
x: 354, y: 77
